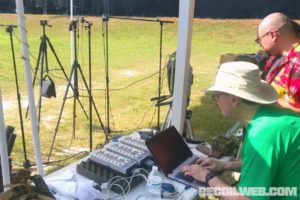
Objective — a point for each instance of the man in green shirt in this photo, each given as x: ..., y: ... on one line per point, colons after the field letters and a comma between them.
x: 270, y: 159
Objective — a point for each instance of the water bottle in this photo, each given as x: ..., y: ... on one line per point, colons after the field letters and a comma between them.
x: 154, y: 184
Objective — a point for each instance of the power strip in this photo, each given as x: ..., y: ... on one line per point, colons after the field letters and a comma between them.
x: 130, y: 152
x: 134, y: 142
x: 113, y: 160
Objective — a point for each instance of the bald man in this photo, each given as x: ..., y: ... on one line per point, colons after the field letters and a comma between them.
x: 276, y: 34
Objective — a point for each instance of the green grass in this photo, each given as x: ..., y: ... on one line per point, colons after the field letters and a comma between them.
x: 133, y: 54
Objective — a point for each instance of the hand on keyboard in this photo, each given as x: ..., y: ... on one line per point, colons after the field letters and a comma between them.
x: 187, y: 178
x: 196, y: 171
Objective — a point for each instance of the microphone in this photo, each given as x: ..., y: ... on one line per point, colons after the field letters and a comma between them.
x: 83, y: 20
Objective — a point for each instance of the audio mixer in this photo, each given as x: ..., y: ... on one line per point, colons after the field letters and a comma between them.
x: 120, y: 158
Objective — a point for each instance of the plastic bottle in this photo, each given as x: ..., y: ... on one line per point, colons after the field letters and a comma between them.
x: 154, y: 183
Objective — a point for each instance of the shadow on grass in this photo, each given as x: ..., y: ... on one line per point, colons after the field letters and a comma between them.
x: 207, y: 119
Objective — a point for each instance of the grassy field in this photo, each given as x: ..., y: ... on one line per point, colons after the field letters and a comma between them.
x: 133, y: 55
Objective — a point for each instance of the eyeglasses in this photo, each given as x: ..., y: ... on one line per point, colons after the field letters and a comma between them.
x: 215, y: 96
x: 259, y: 38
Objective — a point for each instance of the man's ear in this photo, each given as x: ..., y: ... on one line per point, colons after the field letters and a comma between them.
x: 274, y: 35
x: 235, y: 101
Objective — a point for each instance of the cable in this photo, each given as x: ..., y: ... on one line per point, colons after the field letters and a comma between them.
x: 31, y: 55
x: 150, y: 124
x: 55, y: 161
x: 164, y: 76
x: 123, y: 192
x: 33, y: 71
x: 58, y: 77
x: 63, y: 160
x: 112, y: 119
x: 150, y: 106
x: 126, y: 190
x: 19, y: 40
x: 141, y: 195
x: 131, y: 84
x: 99, y: 146
x: 143, y: 170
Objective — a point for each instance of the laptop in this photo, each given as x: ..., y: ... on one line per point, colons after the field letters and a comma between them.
x: 170, y: 152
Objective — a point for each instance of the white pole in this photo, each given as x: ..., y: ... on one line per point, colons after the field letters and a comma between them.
x: 3, y: 149
x: 27, y: 69
x: 183, y: 54
x: 71, y: 9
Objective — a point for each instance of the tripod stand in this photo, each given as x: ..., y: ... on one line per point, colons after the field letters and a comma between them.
x: 105, y: 20
x: 74, y: 74
x: 105, y: 46
x: 42, y: 63
x: 10, y: 29
x: 88, y: 26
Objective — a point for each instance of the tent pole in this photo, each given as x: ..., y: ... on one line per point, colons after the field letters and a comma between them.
x: 28, y: 78
x: 183, y: 54
x: 3, y: 150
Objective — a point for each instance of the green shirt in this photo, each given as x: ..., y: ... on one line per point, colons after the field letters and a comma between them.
x: 271, y: 151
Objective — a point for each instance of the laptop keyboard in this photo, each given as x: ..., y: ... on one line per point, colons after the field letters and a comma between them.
x: 181, y: 175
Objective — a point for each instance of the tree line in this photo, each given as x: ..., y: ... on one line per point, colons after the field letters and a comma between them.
x: 155, y: 8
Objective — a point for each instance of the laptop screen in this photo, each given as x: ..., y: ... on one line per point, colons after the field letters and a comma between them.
x: 168, y: 149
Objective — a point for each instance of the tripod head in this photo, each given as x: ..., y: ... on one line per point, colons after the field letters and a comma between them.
x: 10, y: 28
x: 87, y: 24
x: 105, y: 18
x: 44, y: 23
x: 73, y: 25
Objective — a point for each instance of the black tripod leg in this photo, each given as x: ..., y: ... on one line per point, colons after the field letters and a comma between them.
x: 59, y: 117
x: 76, y: 66
x: 95, y: 108
x: 58, y: 61
x: 41, y: 85
x: 46, y: 55
x: 36, y: 69
x: 39, y: 112
x: 26, y: 162
x: 105, y: 24
x: 82, y: 107
x: 100, y: 121
x: 74, y: 115
x: 65, y: 74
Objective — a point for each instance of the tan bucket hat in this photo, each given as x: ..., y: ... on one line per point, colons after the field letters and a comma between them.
x: 242, y: 80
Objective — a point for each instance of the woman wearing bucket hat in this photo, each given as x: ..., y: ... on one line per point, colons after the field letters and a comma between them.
x: 271, y: 145
x: 279, y: 36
